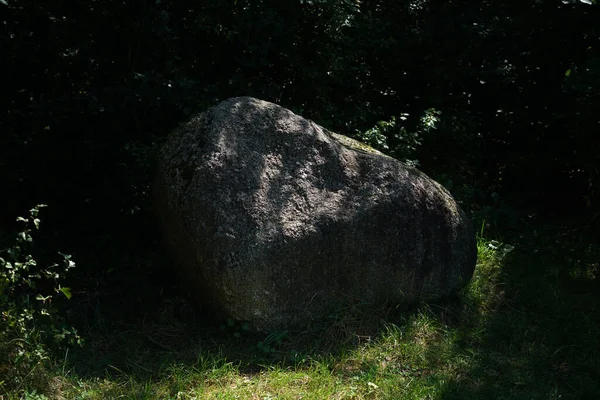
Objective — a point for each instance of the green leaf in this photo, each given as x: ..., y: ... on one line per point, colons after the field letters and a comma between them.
x: 24, y: 236
x: 42, y: 298
x: 67, y: 292
x: 568, y: 73
x: 36, y: 222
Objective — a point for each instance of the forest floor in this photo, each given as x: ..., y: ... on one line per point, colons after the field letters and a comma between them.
x: 526, y: 327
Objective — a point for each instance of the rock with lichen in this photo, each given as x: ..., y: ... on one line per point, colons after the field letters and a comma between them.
x: 276, y: 221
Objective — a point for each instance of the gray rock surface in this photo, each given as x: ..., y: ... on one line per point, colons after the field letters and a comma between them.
x: 274, y: 221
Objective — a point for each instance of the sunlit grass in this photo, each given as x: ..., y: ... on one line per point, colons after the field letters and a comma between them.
x: 518, y: 330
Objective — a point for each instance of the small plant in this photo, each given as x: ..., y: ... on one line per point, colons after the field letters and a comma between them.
x: 235, y: 328
x: 269, y: 344
x: 30, y: 322
x: 395, y: 140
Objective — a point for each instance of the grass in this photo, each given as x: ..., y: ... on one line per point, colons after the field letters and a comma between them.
x: 526, y: 327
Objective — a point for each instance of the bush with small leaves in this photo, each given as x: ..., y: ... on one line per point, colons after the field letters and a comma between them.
x: 30, y: 322
x: 395, y: 140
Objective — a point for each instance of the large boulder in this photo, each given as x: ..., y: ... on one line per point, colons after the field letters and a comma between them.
x: 275, y: 221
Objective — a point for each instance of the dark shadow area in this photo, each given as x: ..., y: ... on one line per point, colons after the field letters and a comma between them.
x: 538, y: 340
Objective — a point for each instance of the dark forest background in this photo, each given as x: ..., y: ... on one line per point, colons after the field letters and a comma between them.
x: 91, y: 88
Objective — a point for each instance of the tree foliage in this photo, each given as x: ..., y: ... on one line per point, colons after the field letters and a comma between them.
x: 94, y: 86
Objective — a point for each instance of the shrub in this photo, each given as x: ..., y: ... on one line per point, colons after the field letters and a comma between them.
x: 393, y: 139
x: 30, y: 322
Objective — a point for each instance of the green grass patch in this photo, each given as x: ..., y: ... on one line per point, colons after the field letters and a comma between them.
x: 526, y: 327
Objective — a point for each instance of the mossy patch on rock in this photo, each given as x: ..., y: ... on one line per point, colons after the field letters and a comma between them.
x: 353, y: 143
